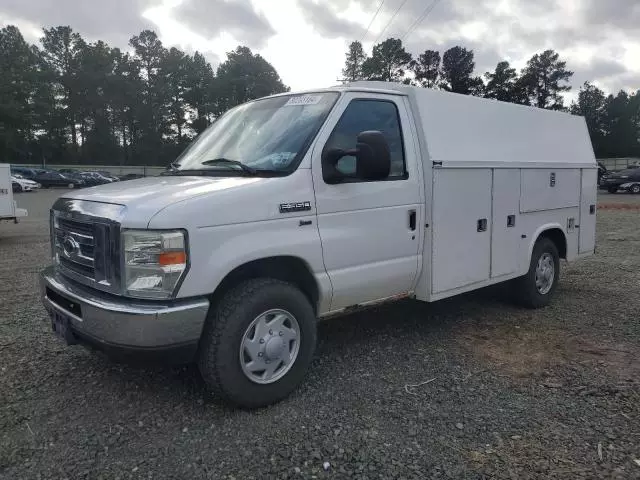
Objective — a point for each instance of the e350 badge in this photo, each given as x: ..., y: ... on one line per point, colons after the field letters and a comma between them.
x: 295, y: 207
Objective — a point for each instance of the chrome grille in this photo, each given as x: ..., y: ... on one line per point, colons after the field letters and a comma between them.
x: 74, y: 243
x: 85, y: 240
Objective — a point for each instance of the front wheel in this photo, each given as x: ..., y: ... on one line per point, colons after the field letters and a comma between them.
x: 535, y: 289
x: 258, y: 343
x: 612, y: 189
x: 635, y: 188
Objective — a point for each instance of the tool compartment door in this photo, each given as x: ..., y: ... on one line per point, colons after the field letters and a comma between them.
x: 461, y: 227
x: 588, y: 200
x: 505, y: 235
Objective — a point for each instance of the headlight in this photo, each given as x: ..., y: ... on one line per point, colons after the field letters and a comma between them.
x: 154, y: 262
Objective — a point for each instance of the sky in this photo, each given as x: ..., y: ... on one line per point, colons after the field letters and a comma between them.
x: 306, y: 40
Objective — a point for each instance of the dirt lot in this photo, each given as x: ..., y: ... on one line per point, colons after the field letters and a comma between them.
x: 472, y: 387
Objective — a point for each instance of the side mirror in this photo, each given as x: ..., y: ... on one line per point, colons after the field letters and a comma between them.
x: 373, y: 159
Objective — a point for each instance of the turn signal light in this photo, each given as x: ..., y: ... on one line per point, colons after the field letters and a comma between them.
x: 172, y: 258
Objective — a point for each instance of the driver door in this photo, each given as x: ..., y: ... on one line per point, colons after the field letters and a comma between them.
x: 369, y: 229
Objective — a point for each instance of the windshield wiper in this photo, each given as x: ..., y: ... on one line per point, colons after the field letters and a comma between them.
x: 243, y: 167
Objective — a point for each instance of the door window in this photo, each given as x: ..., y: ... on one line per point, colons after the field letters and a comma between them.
x: 362, y: 115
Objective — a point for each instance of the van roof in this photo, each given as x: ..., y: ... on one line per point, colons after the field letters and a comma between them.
x: 465, y: 130
x: 347, y: 88
x: 468, y: 131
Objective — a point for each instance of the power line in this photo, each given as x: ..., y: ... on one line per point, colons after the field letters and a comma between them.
x: 422, y: 16
x: 389, y: 22
x: 372, y: 20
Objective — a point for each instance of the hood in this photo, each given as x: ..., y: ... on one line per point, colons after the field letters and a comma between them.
x: 622, y: 173
x: 145, y: 197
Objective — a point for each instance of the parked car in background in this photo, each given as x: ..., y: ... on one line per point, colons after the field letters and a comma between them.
x: 16, y: 187
x: 81, y: 179
x: 631, y: 187
x: 33, y: 183
x: 90, y: 179
x: 97, y: 177
x: 24, y: 172
x: 614, y: 181
x: 68, y: 171
x: 131, y: 176
x: 27, y: 181
x: 109, y: 175
x: 20, y: 184
x: 56, y: 179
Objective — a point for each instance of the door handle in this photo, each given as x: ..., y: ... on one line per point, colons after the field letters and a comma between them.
x: 412, y: 219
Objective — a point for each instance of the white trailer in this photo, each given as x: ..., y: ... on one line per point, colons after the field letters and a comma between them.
x: 9, y: 211
x: 304, y: 205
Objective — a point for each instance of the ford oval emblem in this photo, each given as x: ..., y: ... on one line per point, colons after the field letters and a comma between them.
x: 70, y: 246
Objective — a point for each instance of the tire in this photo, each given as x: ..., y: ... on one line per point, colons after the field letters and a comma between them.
x: 16, y: 188
x: 635, y: 188
x: 612, y: 189
x: 527, y: 291
x: 71, y: 185
x: 219, y: 355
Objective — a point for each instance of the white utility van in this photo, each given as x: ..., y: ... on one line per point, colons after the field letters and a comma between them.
x: 302, y: 205
x: 9, y: 211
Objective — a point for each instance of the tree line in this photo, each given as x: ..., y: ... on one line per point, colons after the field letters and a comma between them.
x: 613, y: 120
x: 70, y: 101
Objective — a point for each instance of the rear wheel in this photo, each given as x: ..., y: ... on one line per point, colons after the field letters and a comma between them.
x: 535, y: 289
x: 71, y: 185
x: 635, y: 188
x: 258, y: 343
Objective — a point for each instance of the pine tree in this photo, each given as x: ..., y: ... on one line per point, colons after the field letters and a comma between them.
x: 355, y: 57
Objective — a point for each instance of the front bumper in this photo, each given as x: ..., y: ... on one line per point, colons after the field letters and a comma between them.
x: 118, y: 325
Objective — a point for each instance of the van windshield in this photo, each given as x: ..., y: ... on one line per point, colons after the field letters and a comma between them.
x: 268, y: 135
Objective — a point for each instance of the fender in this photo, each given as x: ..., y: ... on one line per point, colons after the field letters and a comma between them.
x: 539, y: 231
x: 222, y: 249
x: 240, y: 220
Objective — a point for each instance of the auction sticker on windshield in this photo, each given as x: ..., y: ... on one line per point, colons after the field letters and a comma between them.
x: 303, y: 100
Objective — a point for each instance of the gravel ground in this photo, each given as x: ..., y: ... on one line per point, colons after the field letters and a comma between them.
x: 471, y: 387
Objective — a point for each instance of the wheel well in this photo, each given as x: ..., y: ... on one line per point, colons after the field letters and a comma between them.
x: 286, y: 268
x: 557, y: 237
